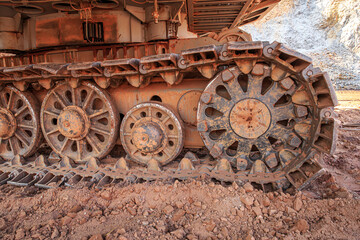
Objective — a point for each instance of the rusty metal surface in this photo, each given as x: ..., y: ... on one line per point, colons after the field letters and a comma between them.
x: 152, y: 130
x: 80, y: 122
x: 19, y: 123
x: 285, y: 97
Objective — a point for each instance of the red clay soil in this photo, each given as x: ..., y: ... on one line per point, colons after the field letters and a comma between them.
x: 194, y: 209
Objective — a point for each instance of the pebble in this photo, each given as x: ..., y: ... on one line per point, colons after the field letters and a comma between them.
x: 248, y: 201
x: 131, y: 210
x: 121, y: 231
x: 96, y: 237
x: 2, y: 224
x: 179, y: 233
x: 75, y: 209
x: 297, y: 204
x: 168, y: 209
x: 55, y: 233
x: 301, y: 225
x: 209, y: 226
x: 266, y: 202
x: 257, y: 211
x: 65, y: 220
x: 248, y: 187
x: 178, y: 214
x: 106, y: 195
x: 20, y: 234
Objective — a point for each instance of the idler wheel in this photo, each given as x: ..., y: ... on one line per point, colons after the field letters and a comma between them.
x: 152, y: 130
x: 19, y: 123
x: 79, y: 123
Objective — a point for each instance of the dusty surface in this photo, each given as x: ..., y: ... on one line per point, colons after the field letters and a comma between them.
x: 194, y: 209
x: 325, y: 30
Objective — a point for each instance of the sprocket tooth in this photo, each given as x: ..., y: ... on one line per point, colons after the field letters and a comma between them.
x: 192, y: 156
x: 153, y: 165
x: 18, y: 160
x: 186, y: 164
x: 93, y: 163
x: 66, y: 162
x: 208, y: 71
x: 245, y: 66
x: 259, y: 167
x: 41, y: 161
x: 223, y: 165
x: 122, y: 164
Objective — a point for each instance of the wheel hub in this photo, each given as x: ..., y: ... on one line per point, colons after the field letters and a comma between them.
x: 250, y: 118
x: 73, y: 122
x: 7, y: 123
x: 147, y: 137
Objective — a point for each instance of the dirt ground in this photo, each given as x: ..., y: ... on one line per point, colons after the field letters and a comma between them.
x: 195, y: 209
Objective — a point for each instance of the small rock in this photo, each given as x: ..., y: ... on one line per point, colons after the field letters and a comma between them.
x: 179, y: 233
x: 122, y: 238
x: 20, y: 234
x: 297, y: 204
x: 209, y: 226
x: 132, y: 211
x: 71, y: 214
x: 266, y: 202
x: 65, y: 220
x: 257, y: 211
x: 248, y: 187
x: 191, y: 237
x: 179, y: 204
x: 248, y: 201
x: 197, y: 204
x: 168, y: 209
x: 121, y: 231
x: 177, y: 215
x: 75, y: 209
x: 22, y: 214
x: 106, y: 195
x: 96, y: 237
x: 55, y: 233
x: 2, y: 224
x: 301, y: 225
x: 289, y: 210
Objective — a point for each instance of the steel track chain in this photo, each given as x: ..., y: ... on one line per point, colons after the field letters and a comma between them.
x: 171, y: 67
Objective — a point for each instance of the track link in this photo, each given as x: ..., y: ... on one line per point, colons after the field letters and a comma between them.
x: 316, y: 92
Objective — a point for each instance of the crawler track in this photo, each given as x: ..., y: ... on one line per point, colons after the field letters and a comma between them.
x: 281, y: 86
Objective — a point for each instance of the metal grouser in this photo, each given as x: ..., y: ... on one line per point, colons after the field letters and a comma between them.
x: 155, y: 89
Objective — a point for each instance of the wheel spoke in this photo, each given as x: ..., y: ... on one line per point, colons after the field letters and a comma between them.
x: 79, y: 148
x: 274, y: 93
x: 284, y: 112
x: 98, y: 113
x: 234, y: 89
x: 263, y: 144
x: 254, y: 87
x: 92, y: 143
x: 61, y: 101
x: 64, y: 144
x: 73, y: 97
x: 10, y: 99
x: 218, y: 123
x: 21, y: 110
x: 88, y: 98
x: 51, y: 113
x: 219, y: 103
x: 99, y: 130
x: 279, y: 131
x: 53, y: 131
x: 22, y: 139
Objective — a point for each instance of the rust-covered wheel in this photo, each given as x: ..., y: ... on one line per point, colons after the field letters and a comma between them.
x: 79, y: 123
x: 259, y: 124
x: 152, y: 130
x: 19, y: 123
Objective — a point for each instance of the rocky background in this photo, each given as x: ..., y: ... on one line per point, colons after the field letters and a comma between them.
x: 326, y: 30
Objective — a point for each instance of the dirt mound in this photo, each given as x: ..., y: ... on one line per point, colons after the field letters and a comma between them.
x: 192, y: 210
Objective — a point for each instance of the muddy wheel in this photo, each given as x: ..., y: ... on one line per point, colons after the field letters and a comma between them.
x: 258, y: 124
x: 79, y: 123
x: 19, y: 123
x: 152, y: 131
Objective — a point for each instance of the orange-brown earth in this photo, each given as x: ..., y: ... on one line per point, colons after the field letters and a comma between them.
x: 195, y: 209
